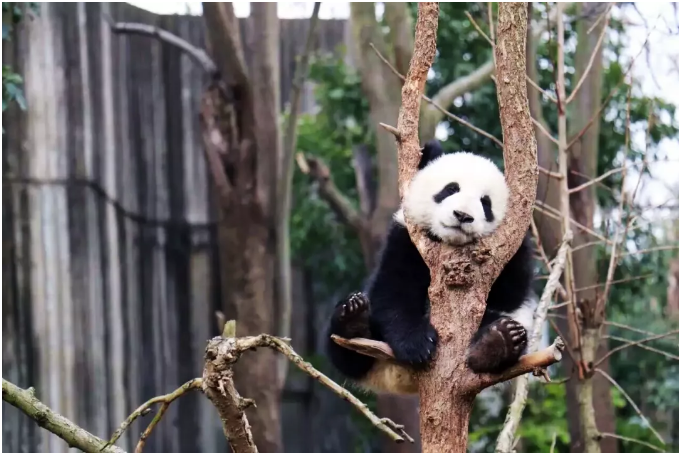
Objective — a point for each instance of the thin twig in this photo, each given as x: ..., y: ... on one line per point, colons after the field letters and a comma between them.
x: 621, y: 280
x: 437, y: 106
x: 26, y: 401
x: 631, y: 402
x: 545, y: 131
x: 643, y: 346
x: 515, y: 410
x: 144, y: 408
x: 637, y: 441
x: 611, y: 94
x: 650, y: 250
x: 527, y: 78
x: 555, y: 175
x: 585, y: 73
x: 628, y: 327
x: 634, y: 343
x: 147, y: 432
x: 550, y: 211
x: 596, y: 180
x: 603, y: 298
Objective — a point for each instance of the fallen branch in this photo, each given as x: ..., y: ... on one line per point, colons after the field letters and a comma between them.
x: 222, y: 353
x: 515, y: 410
x: 165, y: 400
x: 25, y: 401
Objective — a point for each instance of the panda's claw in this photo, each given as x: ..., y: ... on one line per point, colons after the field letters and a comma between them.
x: 351, y: 317
x: 497, y: 347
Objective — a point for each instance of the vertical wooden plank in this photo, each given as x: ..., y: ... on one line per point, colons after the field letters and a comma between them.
x: 115, y: 332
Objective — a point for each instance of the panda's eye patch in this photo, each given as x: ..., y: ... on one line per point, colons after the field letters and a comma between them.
x: 448, y: 190
x: 487, y: 208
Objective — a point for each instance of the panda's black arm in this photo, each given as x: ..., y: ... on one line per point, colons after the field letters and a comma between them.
x: 398, y: 295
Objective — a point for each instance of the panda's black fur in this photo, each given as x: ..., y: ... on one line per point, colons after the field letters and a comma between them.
x: 395, y: 309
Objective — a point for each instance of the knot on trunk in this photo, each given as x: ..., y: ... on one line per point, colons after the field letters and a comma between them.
x: 458, y: 273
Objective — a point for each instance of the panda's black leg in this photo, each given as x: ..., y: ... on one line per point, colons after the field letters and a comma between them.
x: 497, y: 346
x: 350, y: 319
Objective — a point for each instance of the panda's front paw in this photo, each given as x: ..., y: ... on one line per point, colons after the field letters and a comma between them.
x: 418, y: 348
x: 498, y: 347
x: 351, y: 317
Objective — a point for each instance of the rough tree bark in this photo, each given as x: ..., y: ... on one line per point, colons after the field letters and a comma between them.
x: 459, y: 284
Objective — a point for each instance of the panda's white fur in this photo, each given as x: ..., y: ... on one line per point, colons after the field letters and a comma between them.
x: 476, y: 178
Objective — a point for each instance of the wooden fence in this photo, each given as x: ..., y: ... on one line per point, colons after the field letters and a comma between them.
x: 110, y: 290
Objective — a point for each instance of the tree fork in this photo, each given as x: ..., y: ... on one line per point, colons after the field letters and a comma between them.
x: 448, y: 389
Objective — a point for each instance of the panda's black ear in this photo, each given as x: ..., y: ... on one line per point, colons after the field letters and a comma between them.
x: 431, y: 151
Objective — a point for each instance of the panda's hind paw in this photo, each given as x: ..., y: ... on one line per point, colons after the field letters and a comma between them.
x: 351, y: 317
x: 497, y: 347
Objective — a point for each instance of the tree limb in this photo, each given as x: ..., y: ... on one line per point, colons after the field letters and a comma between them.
x: 197, y: 54
x: 223, y: 353
x: 224, y: 42
x: 515, y: 410
x: 25, y: 401
x: 341, y: 205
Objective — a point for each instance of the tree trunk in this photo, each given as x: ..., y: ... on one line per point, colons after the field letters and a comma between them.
x: 241, y: 132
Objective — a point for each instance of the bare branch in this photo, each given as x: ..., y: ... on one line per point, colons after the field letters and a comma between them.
x: 341, y: 205
x: 585, y: 73
x: 224, y: 352
x: 555, y: 175
x: 26, y: 401
x: 596, y: 180
x: 611, y: 94
x: 198, y: 55
x: 650, y: 250
x: 543, y: 129
x: 634, y: 343
x: 631, y: 402
x: 146, y: 407
x: 515, y: 410
x: 628, y: 327
x: 637, y: 441
x: 437, y: 106
x: 491, y: 43
x: 643, y: 346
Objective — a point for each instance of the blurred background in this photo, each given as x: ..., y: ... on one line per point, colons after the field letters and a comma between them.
x: 122, y: 254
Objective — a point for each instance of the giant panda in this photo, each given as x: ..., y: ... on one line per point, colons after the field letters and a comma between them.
x: 456, y: 198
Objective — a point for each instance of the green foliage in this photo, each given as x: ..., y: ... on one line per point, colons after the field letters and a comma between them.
x: 12, y: 14
x: 318, y: 240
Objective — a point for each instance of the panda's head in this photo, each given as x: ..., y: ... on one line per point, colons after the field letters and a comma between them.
x: 458, y: 197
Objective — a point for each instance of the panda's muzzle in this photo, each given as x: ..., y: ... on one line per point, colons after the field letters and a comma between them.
x: 463, y: 217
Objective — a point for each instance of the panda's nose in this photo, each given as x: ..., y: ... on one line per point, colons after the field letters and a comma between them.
x: 463, y: 217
